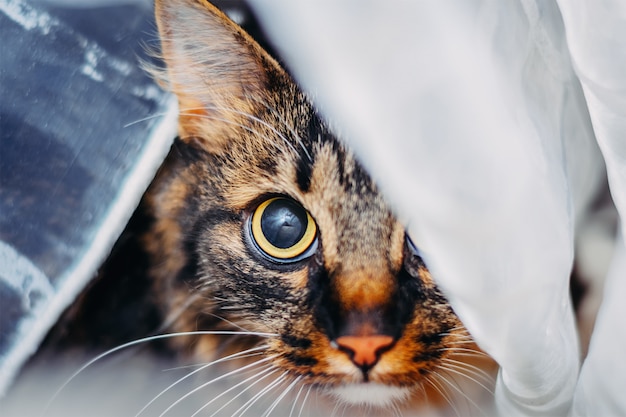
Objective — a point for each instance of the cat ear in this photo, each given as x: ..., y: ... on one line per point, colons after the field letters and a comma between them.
x: 218, y: 72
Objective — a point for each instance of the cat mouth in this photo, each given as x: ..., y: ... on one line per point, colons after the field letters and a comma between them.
x: 369, y: 394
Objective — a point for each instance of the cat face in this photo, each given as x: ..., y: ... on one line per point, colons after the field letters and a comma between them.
x: 264, y: 221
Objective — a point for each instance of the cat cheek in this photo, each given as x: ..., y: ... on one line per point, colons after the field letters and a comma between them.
x: 340, y: 364
x: 297, y: 280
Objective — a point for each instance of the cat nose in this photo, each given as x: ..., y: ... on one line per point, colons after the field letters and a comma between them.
x: 365, y: 351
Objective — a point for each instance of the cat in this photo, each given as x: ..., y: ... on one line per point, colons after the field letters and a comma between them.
x: 263, y: 227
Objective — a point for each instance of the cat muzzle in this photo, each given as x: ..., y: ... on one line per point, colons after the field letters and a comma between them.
x: 364, y: 351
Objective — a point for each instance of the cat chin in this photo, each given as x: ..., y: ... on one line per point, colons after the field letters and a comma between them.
x: 370, y: 394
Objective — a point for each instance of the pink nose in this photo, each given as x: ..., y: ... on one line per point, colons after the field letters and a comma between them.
x: 365, y: 350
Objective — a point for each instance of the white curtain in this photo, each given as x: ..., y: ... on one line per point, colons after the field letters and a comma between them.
x: 481, y: 121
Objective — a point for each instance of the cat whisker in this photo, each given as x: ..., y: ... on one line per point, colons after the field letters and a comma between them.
x: 244, y: 114
x: 336, y: 409
x: 202, y: 368
x: 460, y: 342
x: 393, y: 407
x: 174, y: 315
x: 198, y: 365
x: 224, y: 304
x: 139, y: 342
x: 396, y: 410
x: 459, y: 336
x: 234, y: 307
x: 470, y: 368
x: 295, y: 400
x: 460, y: 351
x: 243, y: 354
x: 424, y: 395
x: 244, y: 127
x: 281, y: 396
x: 455, y: 387
x: 260, y: 376
x: 449, y: 379
x: 306, y: 397
x: 181, y: 367
x: 459, y: 327
x: 464, y: 336
x: 457, y: 370
x: 248, y: 404
x: 289, y: 127
x: 219, y: 378
x: 344, y: 408
x: 145, y: 119
x: 225, y: 320
x: 443, y: 392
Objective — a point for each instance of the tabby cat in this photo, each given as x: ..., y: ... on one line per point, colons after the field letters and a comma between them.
x: 262, y: 223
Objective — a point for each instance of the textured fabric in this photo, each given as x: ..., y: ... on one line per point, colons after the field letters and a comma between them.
x: 472, y: 118
x: 84, y: 129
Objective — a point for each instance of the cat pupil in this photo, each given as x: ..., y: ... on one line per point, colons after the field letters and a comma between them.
x: 283, y: 223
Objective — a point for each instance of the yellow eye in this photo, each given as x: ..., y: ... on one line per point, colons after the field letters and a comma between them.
x: 283, y: 229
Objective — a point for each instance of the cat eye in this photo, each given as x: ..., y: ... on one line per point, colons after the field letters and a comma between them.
x: 282, y: 229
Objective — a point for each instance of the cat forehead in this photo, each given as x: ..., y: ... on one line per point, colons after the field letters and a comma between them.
x: 305, y: 161
x: 295, y: 154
